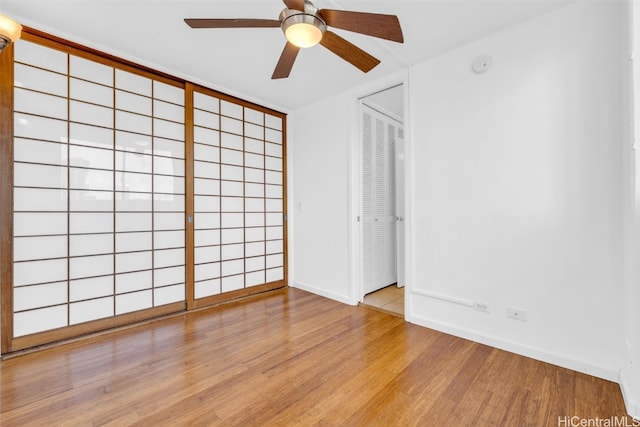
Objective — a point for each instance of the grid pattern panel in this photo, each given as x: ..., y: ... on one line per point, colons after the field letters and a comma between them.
x: 98, y: 191
x: 238, y: 197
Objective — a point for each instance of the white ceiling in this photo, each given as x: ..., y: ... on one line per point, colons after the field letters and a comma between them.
x: 240, y: 61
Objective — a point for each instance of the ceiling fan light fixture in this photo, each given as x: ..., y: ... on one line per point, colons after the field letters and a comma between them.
x: 10, y: 31
x: 304, y: 25
x: 303, y: 30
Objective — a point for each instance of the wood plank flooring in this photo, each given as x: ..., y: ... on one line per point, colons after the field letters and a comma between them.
x: 291, y: 358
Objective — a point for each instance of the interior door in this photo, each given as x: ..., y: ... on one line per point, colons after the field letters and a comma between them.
x: 378, y: 205
x: 239, y: 199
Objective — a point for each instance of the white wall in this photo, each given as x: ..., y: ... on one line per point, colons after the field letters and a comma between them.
x: 517, y: 190
x: 318, y: 192
x: 630, y: 375
x: 518, y: 196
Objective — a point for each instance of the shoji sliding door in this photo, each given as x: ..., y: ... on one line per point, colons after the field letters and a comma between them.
x: 99, y: 200
x: 104, y: 168
x: 238, y: 199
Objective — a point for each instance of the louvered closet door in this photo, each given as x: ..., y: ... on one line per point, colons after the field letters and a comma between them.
x: 378, y: 200
x: 239, y: 237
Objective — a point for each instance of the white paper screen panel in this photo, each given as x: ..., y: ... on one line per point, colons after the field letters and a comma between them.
x: 237, y: 215
x: 99, y: 190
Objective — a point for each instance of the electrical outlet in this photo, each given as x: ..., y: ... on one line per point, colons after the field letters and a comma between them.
x: 517, y: 313
x: 481, y: 306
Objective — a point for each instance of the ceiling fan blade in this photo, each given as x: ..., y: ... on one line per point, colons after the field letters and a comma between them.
x: 295, y: 4
x: 232, y: 23
x: 285, y: 63
x: 348, y: 51
x: 372, y: 24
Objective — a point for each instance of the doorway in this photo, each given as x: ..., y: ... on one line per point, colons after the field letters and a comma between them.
x: 381, y: 213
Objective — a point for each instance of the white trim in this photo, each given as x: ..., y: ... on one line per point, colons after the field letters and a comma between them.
x: 354, y: 191
x: 382, y: 111
x: 629, y: 381
x: 371, y: 88
x: 443, y: 297
x: 408, y: 195
x: 632, y: 406
x: 557, y: 359
x: 323, y: 293
x: 356, y: 292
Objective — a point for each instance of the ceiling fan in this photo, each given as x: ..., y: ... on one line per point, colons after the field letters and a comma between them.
x: 304, y: 25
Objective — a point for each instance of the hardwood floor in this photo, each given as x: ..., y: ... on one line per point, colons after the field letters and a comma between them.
x: 291, y: 358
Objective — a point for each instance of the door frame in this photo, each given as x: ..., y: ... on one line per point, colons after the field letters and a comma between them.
x: 356, y: 289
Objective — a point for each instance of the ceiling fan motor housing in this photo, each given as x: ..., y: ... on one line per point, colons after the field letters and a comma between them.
x: 294, y: 20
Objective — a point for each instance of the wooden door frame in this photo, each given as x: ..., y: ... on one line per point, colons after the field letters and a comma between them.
x: 9, y: 343
x: 195, y: 303
x: 6, y: 197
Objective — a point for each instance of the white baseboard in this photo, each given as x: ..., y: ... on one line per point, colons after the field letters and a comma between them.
x: 632, y: 405
x: 323, y: 292
x: 517, y: 348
